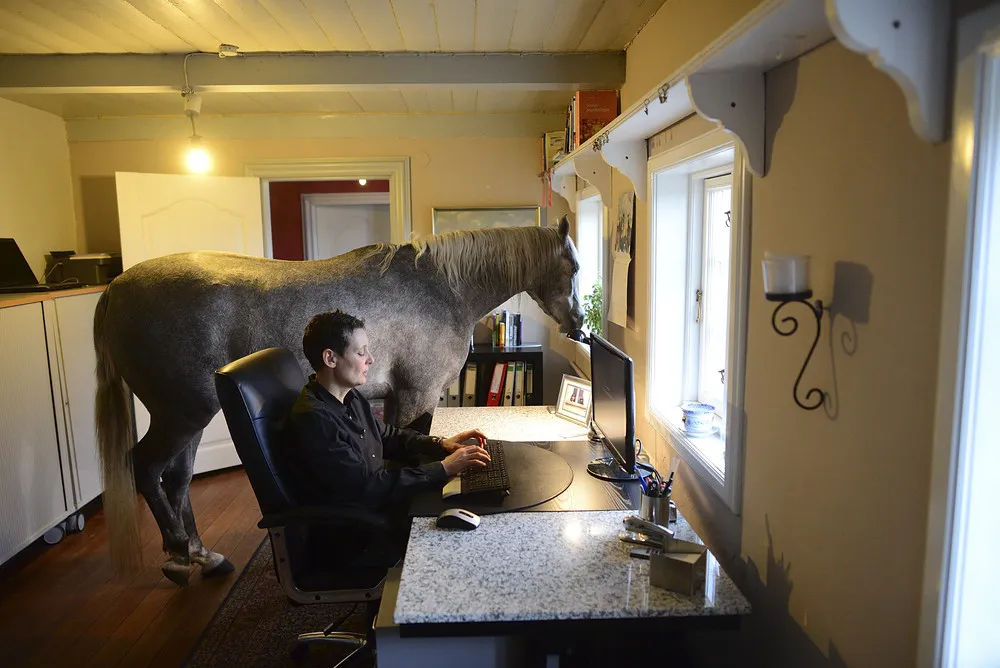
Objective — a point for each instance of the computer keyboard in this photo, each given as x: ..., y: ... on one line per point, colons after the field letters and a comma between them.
x: 493, y: 478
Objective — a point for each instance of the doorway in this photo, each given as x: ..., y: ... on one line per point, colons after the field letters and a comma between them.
x: 311, y: 220
x: 334, y: 224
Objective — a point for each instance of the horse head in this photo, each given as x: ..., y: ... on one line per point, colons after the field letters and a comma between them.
x: 556, y: 291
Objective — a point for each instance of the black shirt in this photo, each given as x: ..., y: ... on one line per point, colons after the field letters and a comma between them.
x: 334, y: 453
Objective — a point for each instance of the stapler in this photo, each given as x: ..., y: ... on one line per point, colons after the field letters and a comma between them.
x: 661, y: 534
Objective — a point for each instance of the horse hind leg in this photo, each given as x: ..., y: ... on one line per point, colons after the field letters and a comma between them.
x: 151, y: 457
x: 177, y: 485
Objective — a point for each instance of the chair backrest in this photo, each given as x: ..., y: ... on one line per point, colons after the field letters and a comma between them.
x: 256, y: 393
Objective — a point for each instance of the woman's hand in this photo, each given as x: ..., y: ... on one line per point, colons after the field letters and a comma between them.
x: 465, y: 457
x: 457, y: 441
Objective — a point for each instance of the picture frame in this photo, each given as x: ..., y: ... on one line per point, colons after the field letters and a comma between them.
x: 575, y: 401
x: 485, y: 217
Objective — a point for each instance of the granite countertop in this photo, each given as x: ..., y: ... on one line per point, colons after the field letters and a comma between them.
x: 507, y: 423
x: 545, y: 566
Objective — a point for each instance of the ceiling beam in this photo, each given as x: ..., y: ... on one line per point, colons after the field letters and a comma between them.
x: 341, y: 71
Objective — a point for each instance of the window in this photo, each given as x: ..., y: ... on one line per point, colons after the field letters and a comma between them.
x: 590, y: 241
x: 698, y: 302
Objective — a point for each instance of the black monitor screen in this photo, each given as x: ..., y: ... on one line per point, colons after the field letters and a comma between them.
x: 614, y: 400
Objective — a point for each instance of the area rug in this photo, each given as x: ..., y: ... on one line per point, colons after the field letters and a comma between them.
x: 257, y: 625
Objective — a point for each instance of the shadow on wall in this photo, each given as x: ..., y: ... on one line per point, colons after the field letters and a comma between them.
x: 769, y: 637
x: 852, y: 299
x: 779, y: 101
x: 99, y: 198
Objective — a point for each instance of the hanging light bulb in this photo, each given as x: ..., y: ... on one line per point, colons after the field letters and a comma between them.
x: 197, y: 159
x: 362, y: 182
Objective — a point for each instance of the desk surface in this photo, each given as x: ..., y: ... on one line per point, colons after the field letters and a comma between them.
x: 507, y: 423
x: 585, y: 493
x: 529, y: 567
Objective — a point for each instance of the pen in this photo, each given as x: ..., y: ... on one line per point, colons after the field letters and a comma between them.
x: 642, y: 483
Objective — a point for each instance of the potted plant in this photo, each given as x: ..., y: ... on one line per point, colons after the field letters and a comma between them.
x: 593, y: 308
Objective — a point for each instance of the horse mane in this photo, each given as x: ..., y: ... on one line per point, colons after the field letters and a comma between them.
x: 479, y: 256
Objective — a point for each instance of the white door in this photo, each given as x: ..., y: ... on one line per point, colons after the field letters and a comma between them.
x: 338, y: 223
x: 160, y: 214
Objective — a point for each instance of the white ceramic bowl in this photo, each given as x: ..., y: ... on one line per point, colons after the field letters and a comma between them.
x: 698, y: 418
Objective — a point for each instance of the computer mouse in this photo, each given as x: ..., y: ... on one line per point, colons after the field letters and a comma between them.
x: 458, y: 518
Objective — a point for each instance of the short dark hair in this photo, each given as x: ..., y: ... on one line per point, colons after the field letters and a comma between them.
x: 328, y: 330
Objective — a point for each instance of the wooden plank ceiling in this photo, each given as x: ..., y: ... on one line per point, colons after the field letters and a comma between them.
x: 256, y: 26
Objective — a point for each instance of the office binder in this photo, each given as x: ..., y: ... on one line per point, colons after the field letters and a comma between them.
x: 519, y: 383
x: 443, y: 399
x: 454, y: 398
x: 496, y: 384
x: 508, y: 392
x: 529, y: 387
x: 469, y: 392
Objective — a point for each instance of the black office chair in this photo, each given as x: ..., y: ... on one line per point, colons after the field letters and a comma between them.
x: 256, y: 394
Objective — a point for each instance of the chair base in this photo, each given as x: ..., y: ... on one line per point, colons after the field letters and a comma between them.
x: 357, y: 640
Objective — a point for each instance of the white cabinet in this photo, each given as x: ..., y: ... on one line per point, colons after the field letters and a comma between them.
x: 31, y: 485
x: 69, y: 327
x: 48, y: 455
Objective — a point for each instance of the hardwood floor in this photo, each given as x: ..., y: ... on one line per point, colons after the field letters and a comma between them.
x: 62, y: 604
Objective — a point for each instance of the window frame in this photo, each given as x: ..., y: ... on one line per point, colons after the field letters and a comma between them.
x: 728, y: 484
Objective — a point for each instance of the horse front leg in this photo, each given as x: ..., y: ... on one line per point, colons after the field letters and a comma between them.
x: 177, y: 485
x: 151, y: 457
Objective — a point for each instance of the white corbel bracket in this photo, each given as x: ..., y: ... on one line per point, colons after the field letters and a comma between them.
x: 565, y: 186
x: 591, y: 168
x: 629, y: 158
x: 906, y: 39
x: 736, y: 100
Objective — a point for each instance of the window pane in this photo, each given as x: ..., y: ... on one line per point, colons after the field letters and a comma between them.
x: 715, y: 293
x: 590, y: 236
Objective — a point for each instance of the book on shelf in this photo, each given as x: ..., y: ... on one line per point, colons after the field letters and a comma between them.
x: 506, y: 327
x: 552, y: 145
x: 588, y: 112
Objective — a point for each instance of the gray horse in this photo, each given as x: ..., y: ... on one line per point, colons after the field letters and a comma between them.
x: 164, y: 326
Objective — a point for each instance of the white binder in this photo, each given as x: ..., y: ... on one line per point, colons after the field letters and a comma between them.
x: 519, y: 383
x: 454, y: 398
x: 508, y: 391
x: 469, y: 391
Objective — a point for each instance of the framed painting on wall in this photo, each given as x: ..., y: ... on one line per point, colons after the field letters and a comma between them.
x: 479, y: 218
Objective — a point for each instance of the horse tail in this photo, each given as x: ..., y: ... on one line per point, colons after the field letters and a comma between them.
x: 113, y: 419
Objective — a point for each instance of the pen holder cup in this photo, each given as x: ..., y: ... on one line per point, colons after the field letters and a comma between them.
x: 657, y: 509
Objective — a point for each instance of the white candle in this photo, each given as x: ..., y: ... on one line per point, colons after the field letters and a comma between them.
x: 785, y: 274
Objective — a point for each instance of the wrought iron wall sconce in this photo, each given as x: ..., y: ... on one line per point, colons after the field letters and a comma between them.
x: 786, y: 281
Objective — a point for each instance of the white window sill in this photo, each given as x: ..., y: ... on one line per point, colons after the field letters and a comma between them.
x: 706, y: 454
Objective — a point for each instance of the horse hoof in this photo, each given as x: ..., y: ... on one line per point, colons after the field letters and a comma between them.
x: 177, y: 574
x: 225, y: 567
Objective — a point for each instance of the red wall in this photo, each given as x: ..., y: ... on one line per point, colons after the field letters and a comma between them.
x: 286, y: 210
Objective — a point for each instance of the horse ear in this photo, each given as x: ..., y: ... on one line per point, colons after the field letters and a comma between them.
x: 564, y: 226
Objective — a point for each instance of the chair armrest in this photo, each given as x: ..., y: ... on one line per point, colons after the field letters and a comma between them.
x: 350, y: 517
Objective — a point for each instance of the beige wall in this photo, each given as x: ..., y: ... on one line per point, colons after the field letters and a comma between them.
x: 829, y: 546
x: 678, y: 31
x: 444, y: 172
x: 36, y: 204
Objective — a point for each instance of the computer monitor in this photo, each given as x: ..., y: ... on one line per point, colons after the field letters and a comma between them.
x: 613, y: 397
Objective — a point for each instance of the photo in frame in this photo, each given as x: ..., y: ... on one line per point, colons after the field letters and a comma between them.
x: 480, y: 218
x: 574, y: 402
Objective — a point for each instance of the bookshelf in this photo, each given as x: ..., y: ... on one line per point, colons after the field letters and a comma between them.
x: 725, y: 82
x: 485, y: 356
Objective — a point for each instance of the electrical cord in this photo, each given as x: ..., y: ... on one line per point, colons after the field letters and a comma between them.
x: 336, y: 625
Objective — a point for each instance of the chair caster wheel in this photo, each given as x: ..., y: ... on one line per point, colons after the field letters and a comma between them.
x: 299, y: 652
x: 54, y: 535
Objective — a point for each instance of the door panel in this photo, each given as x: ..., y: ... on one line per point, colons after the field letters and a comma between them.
x: 162, y: 214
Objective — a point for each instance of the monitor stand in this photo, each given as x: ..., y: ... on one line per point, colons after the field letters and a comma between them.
x: 608, y: 469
